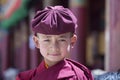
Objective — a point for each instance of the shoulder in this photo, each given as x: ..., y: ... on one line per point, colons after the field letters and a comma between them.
x: 26, y: 75
x: 80, y: 70
x: 29, y: 74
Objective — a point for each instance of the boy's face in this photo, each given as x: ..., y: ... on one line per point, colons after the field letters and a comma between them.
x: 54, y: 47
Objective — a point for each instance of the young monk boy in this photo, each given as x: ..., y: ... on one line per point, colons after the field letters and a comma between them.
x: 54, y: 29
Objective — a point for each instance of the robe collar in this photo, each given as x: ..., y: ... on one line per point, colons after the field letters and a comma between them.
x: 60, y: 70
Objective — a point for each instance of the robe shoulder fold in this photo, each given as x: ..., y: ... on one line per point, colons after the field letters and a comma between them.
x: 26, y: 75
x: 82, y: 72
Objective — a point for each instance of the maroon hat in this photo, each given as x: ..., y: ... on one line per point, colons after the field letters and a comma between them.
x: 54, y: 20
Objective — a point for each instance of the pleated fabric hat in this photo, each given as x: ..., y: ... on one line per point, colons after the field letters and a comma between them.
x: 54, y: 21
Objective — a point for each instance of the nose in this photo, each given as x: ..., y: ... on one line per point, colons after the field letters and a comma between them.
x: 55, y: 46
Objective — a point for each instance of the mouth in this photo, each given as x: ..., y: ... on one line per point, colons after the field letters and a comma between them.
x: 54, y: 54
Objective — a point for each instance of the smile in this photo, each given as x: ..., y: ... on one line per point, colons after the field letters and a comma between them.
x: 54, y: 54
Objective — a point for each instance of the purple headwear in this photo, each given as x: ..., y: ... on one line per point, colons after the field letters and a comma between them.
x: 54, y: 21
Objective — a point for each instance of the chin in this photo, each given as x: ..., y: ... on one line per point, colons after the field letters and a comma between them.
x: 56, y: 60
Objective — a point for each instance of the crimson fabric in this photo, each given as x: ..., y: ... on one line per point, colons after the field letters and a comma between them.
x: 54, y: 20
x: 64, y: 70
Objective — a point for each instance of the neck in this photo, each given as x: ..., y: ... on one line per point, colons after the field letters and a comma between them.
x: 49, y: 63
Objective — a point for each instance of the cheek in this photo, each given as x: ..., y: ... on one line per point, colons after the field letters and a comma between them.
x: 43, y: 48
x: 65, y: 48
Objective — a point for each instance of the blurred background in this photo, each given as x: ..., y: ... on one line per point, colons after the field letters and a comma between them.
x: 97, y: 47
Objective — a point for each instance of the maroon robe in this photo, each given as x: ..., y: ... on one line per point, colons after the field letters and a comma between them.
x: 64, y: 70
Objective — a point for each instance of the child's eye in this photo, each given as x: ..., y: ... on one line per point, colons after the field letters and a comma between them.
x: 62, y: 40
x: 47, y: 40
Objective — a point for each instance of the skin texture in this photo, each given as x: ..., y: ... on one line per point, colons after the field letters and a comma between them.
x: 54, y: 48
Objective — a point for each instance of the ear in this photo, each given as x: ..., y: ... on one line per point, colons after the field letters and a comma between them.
x: 36, y: 41
x: 73, y: 40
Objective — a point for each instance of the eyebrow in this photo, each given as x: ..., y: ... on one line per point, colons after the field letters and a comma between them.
x: 46, y: 36
x: 61, y: 36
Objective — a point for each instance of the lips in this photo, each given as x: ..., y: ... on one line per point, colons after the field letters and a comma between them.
x: 54, y: 54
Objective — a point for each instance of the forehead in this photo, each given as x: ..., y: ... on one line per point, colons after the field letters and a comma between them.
x: 65, y: 35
